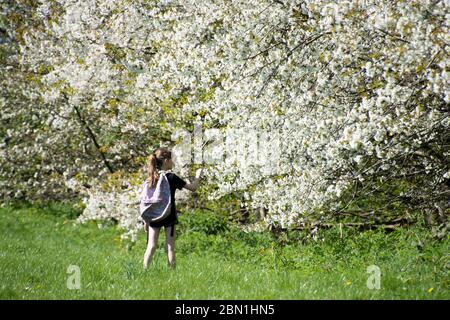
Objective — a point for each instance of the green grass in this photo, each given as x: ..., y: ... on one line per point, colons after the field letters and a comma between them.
x: 214, y: 261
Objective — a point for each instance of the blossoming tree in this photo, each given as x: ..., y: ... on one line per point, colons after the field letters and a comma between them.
x: 355, y: 92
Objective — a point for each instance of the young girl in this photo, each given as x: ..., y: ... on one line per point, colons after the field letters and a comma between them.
x: 161, y: 159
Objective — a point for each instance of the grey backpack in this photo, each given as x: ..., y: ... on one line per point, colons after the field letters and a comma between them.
x: 155, y: 203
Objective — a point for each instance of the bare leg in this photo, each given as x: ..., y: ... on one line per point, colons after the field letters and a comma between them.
x: 146, y: 229
x: 153, y: 234
x: 170, y: 245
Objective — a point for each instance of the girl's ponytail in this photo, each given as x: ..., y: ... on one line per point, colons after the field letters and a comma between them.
x: 152, y: 171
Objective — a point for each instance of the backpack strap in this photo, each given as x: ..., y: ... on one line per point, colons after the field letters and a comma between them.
x: 164, y: 171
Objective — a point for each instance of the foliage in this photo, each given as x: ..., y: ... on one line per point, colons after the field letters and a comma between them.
x: 205, y: 222
x: 342, y: 97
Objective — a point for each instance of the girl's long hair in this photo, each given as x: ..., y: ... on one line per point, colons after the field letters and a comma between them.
x: 155, y: 162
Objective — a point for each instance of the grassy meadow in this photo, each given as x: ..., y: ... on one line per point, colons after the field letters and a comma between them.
x: 214, y: 261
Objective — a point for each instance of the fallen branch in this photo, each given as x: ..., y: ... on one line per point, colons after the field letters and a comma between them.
x: 390, y: 225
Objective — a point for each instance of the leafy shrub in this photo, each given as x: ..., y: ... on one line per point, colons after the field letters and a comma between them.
x: 204, y: 222
x: 66, y: 210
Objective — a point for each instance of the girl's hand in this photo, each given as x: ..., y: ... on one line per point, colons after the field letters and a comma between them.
x: 198, y: 173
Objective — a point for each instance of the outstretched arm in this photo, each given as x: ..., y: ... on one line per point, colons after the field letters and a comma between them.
x: 196, y: 182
